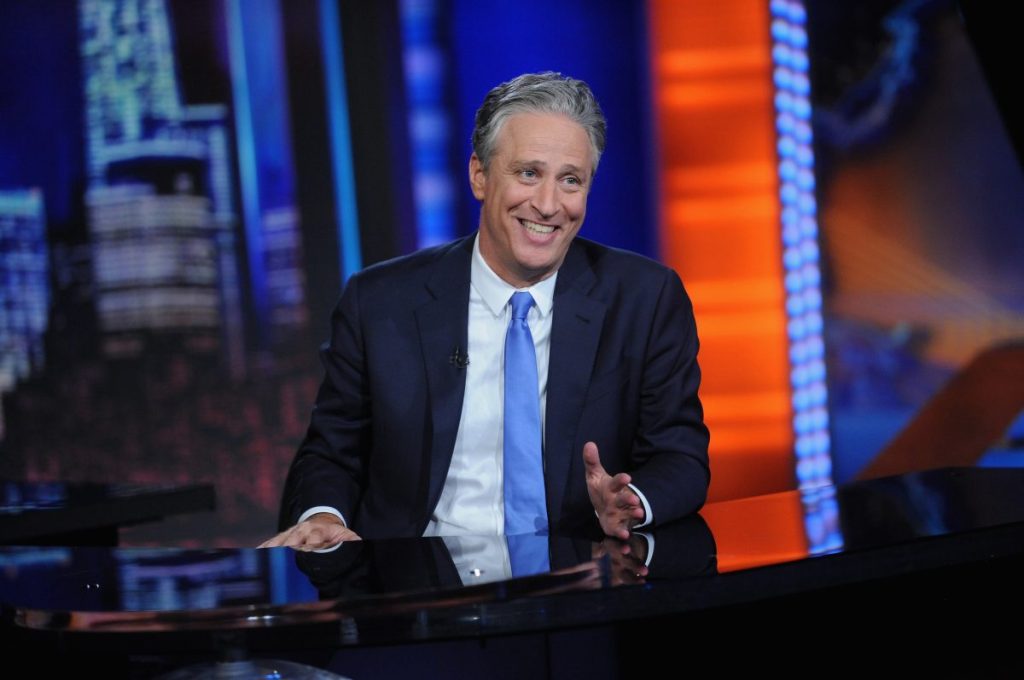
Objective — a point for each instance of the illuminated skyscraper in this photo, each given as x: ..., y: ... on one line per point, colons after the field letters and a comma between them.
x: 155, y: 262
x: 161, y: 219
x: 24, y: 286
x: 140, y: 133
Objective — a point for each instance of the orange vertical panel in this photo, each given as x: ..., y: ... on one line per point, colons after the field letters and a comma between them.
x: 719, y: 225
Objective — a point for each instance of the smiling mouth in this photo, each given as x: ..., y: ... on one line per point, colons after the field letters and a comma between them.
x: 537, y: 228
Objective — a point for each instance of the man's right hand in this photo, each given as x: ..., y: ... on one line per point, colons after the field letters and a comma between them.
x: 322, y: 530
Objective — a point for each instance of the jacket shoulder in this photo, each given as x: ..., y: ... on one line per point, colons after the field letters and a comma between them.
x: 412, y: 270
x: 615, y: 265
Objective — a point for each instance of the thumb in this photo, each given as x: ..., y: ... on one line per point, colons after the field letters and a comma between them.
x: 592, y: 459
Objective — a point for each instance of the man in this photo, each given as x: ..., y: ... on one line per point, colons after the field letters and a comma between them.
x: 438, y: 415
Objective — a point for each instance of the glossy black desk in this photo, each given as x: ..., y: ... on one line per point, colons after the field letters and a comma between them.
x: 59, y: 513
x: 911, y: 573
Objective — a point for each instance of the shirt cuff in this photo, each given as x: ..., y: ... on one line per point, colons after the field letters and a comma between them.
x: 648, y: 515
x: 329, y: 510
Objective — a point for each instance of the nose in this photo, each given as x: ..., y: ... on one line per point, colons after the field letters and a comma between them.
x: 545, y: 198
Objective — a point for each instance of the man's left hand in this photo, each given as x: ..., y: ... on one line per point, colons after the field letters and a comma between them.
x: 618, y: 508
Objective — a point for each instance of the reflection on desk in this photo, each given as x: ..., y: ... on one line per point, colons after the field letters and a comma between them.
x: 166, y: 589
x: 60, y: 513
x: 817, y: 559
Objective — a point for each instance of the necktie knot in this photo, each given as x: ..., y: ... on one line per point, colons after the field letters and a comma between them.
x: 521, y: 303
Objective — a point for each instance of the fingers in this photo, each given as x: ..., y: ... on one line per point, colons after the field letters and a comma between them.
x: 326, y: 539
x: 615, y: 523
x: 619, y: 519
x: 312, y: 535
x: 619, y: 482
x: 277, y: 541
x: 270, y: 543
x: 625, y: 499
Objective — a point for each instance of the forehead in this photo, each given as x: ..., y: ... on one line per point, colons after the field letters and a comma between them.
x: 550, y: 137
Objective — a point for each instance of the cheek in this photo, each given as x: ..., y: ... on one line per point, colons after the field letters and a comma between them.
x: 514, y: 196
x: 576, y: 206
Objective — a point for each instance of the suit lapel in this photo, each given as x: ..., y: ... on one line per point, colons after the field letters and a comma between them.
x: 575, y: 334
x: 442, y: 324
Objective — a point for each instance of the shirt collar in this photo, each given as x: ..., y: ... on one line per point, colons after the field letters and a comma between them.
x: 496, y: 292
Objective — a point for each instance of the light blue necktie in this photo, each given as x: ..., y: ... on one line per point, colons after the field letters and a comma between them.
x: 525, y: 507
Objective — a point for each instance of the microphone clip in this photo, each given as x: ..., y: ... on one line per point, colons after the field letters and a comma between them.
x: 458, y: 359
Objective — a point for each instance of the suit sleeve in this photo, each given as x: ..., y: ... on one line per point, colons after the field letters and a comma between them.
x: 670, y: 450
x: 329, y: 468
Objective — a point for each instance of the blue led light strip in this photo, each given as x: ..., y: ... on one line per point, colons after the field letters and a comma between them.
x: 800, y: 242
x: 351, y: 257
x: 805, y: 324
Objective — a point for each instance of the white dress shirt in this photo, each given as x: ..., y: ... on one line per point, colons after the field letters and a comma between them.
x: 472, y: 500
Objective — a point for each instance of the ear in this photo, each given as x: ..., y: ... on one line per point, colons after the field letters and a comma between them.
x: 477, y: 177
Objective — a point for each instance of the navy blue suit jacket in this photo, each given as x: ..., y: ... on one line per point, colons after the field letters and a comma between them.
x: 623, y: 373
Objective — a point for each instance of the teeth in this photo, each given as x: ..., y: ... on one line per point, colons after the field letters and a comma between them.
x: 537, y: 228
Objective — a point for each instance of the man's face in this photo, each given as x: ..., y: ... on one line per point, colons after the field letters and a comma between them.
x: 534, y: 195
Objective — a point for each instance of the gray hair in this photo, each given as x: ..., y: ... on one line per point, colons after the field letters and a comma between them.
x: 547, y: 92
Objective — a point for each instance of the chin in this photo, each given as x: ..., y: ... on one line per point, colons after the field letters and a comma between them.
x: 535, y: 271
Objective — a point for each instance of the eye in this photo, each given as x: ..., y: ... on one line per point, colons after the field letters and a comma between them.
x: 527, y: 173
